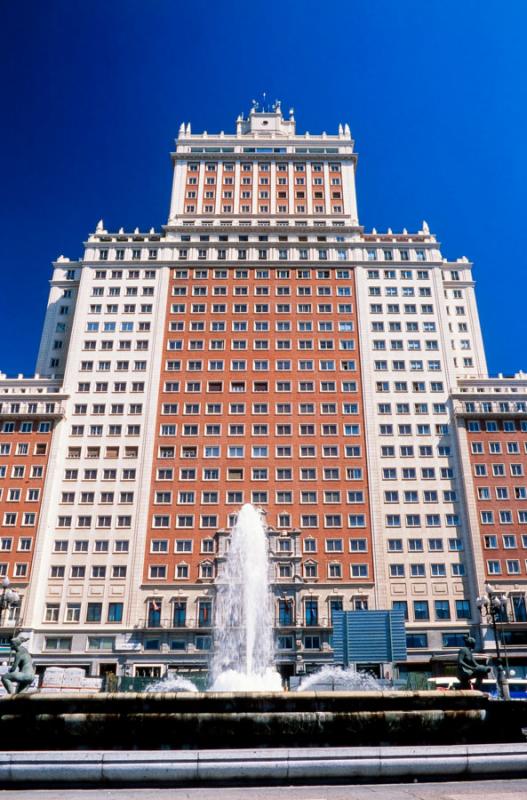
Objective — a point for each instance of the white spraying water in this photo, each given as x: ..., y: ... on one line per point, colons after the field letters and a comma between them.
x: 344, y: 680
x: 243, y: 634
x: 174, y: 683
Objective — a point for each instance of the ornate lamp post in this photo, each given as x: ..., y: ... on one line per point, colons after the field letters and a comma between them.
x: 493, y: 604
x: 8, y: 598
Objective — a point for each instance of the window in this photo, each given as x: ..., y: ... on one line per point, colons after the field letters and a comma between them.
x: 421, y: 611
x: 463, y: 610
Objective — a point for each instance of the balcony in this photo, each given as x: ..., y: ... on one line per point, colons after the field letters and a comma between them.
x: 31, y: 410
x: 490, y: 408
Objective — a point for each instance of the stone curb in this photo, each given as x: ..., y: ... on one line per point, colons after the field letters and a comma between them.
x: 227, y: 767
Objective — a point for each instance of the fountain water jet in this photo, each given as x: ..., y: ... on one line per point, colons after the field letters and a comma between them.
x: 331, y: 678
x: 243, y: 634
x: 175, y: 683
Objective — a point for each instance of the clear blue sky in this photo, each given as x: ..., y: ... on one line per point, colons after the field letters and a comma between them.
x: 93, y: 92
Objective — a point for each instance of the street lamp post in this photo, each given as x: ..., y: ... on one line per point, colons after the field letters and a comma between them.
x: 493, y: 604
x: 8, y: 598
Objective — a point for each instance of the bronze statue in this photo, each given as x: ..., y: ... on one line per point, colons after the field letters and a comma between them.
x: 20, y: 674
x: 467, y: 666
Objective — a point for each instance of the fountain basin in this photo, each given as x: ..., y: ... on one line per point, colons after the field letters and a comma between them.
x: 228, y: 720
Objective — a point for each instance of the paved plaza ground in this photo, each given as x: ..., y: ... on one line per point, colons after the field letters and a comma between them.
x: 470, y: 790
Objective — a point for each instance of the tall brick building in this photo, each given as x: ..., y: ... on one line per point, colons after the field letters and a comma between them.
x: 264, y: 348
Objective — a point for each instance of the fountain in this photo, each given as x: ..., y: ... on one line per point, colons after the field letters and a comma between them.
x: 245, y: 705
x: 243, y: 636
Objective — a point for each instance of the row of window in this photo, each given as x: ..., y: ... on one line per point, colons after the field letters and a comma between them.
x: 415, y: 365
x: 216, y: 409
x: 130, y: 275
x: 434, y: 545
x: 93, y: 613
x: 411, y: 473
x: 406, y: 291
x: 255, y: 474
x: 419, y: 641
x: 417, y: 520
x: 243, y: 308
x: 118, y: 366
x: 264, y: 365
x: 24, y: 544
x: 258, y: 429
x: 19, y: 570
x: 257, y: 273
x: 79, y: 571
x: 16, y: 495
x: 408, y: 308
x: 115, y: 291
x: 23, y: 449
x: 109, y: 474
x: 101, y: 521
x: 264, y: 166
x: 111, y: 430
x: 261, y: 326
x: 261, y: 344
x: 103, y: 254
x: 211, y: 521
x: 115, y: 409
x: 26, y: 427
x: 419, y: 570
x: 509, y: 541
x: 111, y: 451
x: 26, y: 519
x: 107, y: 644
x: 113, y: 308
x: 264, y: 209
x: 513, y: 448
x: 263, y: 451
x: 36, y: 471
x: 498, y: 470
x: 102, y: 497
x: 310, y: 571
x: 409, y: 327
x: 240, y: 386
x: 413, y: 496
x: 235, y: 273
x: 512, y: 567
x: 263, y: 291
x: 494, y: 425
x: 284, y: 546
x: 407, y: 429
x: 502, y: 517
x: 411, y: 344
x: 111, y: 327
x: 233, y: 497
x: 98, y: 546
x: 119, y: 387
x: 409, y: 451
x: 421, y: 609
